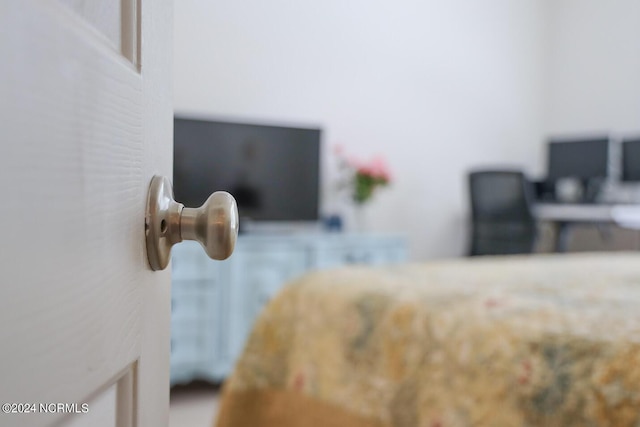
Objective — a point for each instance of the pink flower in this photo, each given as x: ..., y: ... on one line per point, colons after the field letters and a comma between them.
x: 363, y: 176
x: 379, y: 168
x: 366, y: 170
x: 376, y: 169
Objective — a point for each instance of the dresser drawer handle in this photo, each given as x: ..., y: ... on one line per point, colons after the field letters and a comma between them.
x: 363, y: 258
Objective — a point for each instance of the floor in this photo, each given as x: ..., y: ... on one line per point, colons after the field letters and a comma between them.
x: 194, y: 405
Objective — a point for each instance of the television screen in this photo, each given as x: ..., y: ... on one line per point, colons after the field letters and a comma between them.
x: 584, y: 158
x: 272, y: 171
x: 631, y: 160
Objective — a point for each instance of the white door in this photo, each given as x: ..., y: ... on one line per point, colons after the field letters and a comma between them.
x: 85, y: 122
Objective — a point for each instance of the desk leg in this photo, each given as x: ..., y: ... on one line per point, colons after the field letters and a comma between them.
x: 562, y: 236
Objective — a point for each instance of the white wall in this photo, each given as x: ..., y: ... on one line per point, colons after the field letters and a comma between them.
x: 593, y: 66
x: 437, y: 87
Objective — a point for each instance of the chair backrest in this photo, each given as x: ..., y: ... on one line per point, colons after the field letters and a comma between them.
x: 501, y: 212
x: 500, y: 196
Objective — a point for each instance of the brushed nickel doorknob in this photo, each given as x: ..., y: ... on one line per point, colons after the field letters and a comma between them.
x: 167, y: 222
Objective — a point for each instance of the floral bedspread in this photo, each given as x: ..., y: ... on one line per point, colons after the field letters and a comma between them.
x: 531, y: 341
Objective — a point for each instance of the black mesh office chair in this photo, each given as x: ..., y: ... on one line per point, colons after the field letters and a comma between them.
x: 502, y: 220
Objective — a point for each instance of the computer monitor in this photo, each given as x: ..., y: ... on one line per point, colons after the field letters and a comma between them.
x: 631, y: 160
x: 583, y: 159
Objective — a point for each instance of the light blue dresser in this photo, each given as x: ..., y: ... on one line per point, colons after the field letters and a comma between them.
x: 214, y: 304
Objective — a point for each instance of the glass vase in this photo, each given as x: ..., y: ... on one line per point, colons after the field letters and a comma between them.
x: 360, y: 218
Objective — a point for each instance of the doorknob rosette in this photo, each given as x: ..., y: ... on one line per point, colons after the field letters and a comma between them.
x: 167, y: 222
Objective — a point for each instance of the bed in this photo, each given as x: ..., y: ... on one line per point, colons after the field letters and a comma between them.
x: 518, y: 341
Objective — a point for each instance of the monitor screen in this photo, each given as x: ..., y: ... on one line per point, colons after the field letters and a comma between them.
x: 584, y: 158
x: 272, y: 171
x: 631, y: 159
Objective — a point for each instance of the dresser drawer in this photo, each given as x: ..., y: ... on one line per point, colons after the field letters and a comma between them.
x: 358, y: 255
x: 395, y: 254
x: 190, y: 262
x: 187, y: 349
x: 185, y: 306
x: 194, y: 299
x: 339, y: 256
x: 265, y: 273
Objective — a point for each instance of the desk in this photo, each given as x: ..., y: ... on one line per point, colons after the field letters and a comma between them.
x: 563, y: 215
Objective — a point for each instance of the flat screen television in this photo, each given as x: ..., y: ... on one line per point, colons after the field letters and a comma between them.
x: 272, y: 171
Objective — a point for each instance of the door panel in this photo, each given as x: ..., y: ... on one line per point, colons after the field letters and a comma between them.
x: 100, y: 410
x: 117, y: 21
x: 82, y: 132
